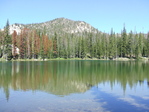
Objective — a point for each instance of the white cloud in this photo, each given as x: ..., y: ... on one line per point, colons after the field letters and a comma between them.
x: 134, y: 102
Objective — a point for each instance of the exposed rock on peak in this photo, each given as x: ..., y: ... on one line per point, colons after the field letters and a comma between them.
x: 59, y: 25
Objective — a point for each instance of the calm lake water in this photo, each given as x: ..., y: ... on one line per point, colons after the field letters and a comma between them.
x: 74, y: 86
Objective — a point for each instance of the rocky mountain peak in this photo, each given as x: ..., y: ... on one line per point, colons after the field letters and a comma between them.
x: 59, y: 25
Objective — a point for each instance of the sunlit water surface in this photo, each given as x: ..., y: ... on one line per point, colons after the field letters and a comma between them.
x: 74, y: 86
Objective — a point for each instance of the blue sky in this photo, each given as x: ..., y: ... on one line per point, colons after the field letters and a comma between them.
x: 101, y: 14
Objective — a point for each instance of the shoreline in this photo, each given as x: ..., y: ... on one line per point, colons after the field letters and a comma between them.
x: 116, y: 59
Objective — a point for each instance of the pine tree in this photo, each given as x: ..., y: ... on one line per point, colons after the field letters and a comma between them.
x: 90, y: 43
x: 68, y: 46
x: 144, y: 46
x: 7, y: 43
x: 37, y: 45
x: 33, y: 44
x: 73, y: 44
x: 124, y: 42
x: 22, y: 46
x: 119, y: 45
x: 147, y: 44
x: 99, y: 45
x: 111, y: 45
x: 104, y: 46
x: 137, y: 48
x: 14, y: 45
x: 141, y: 44
x: 1, y: 43
x: 55, y: 46
x: 129, y: 45
x: 82, y: 48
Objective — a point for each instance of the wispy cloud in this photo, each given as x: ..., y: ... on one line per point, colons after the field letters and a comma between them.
x: 134, y: 102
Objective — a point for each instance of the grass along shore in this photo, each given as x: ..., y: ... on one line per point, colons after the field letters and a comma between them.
x: 116, y: 59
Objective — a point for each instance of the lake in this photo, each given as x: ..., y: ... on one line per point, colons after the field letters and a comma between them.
x: 74, y: 86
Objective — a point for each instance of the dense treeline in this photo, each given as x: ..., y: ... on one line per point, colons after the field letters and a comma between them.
x: 37, y: 44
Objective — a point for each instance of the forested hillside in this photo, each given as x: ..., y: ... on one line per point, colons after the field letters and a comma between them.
x: 63, y: 38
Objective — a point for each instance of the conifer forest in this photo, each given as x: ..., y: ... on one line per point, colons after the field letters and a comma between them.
x: 37, y: 44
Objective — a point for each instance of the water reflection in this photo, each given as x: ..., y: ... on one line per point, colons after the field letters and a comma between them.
x: 66, y: 77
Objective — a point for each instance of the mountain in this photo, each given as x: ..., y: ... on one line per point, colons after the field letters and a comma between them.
x: 59, y: 25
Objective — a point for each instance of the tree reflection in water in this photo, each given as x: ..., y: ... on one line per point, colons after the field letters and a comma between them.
x: 67, y: 77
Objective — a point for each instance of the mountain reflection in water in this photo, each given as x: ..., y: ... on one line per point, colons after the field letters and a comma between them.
x: 67, y: 77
